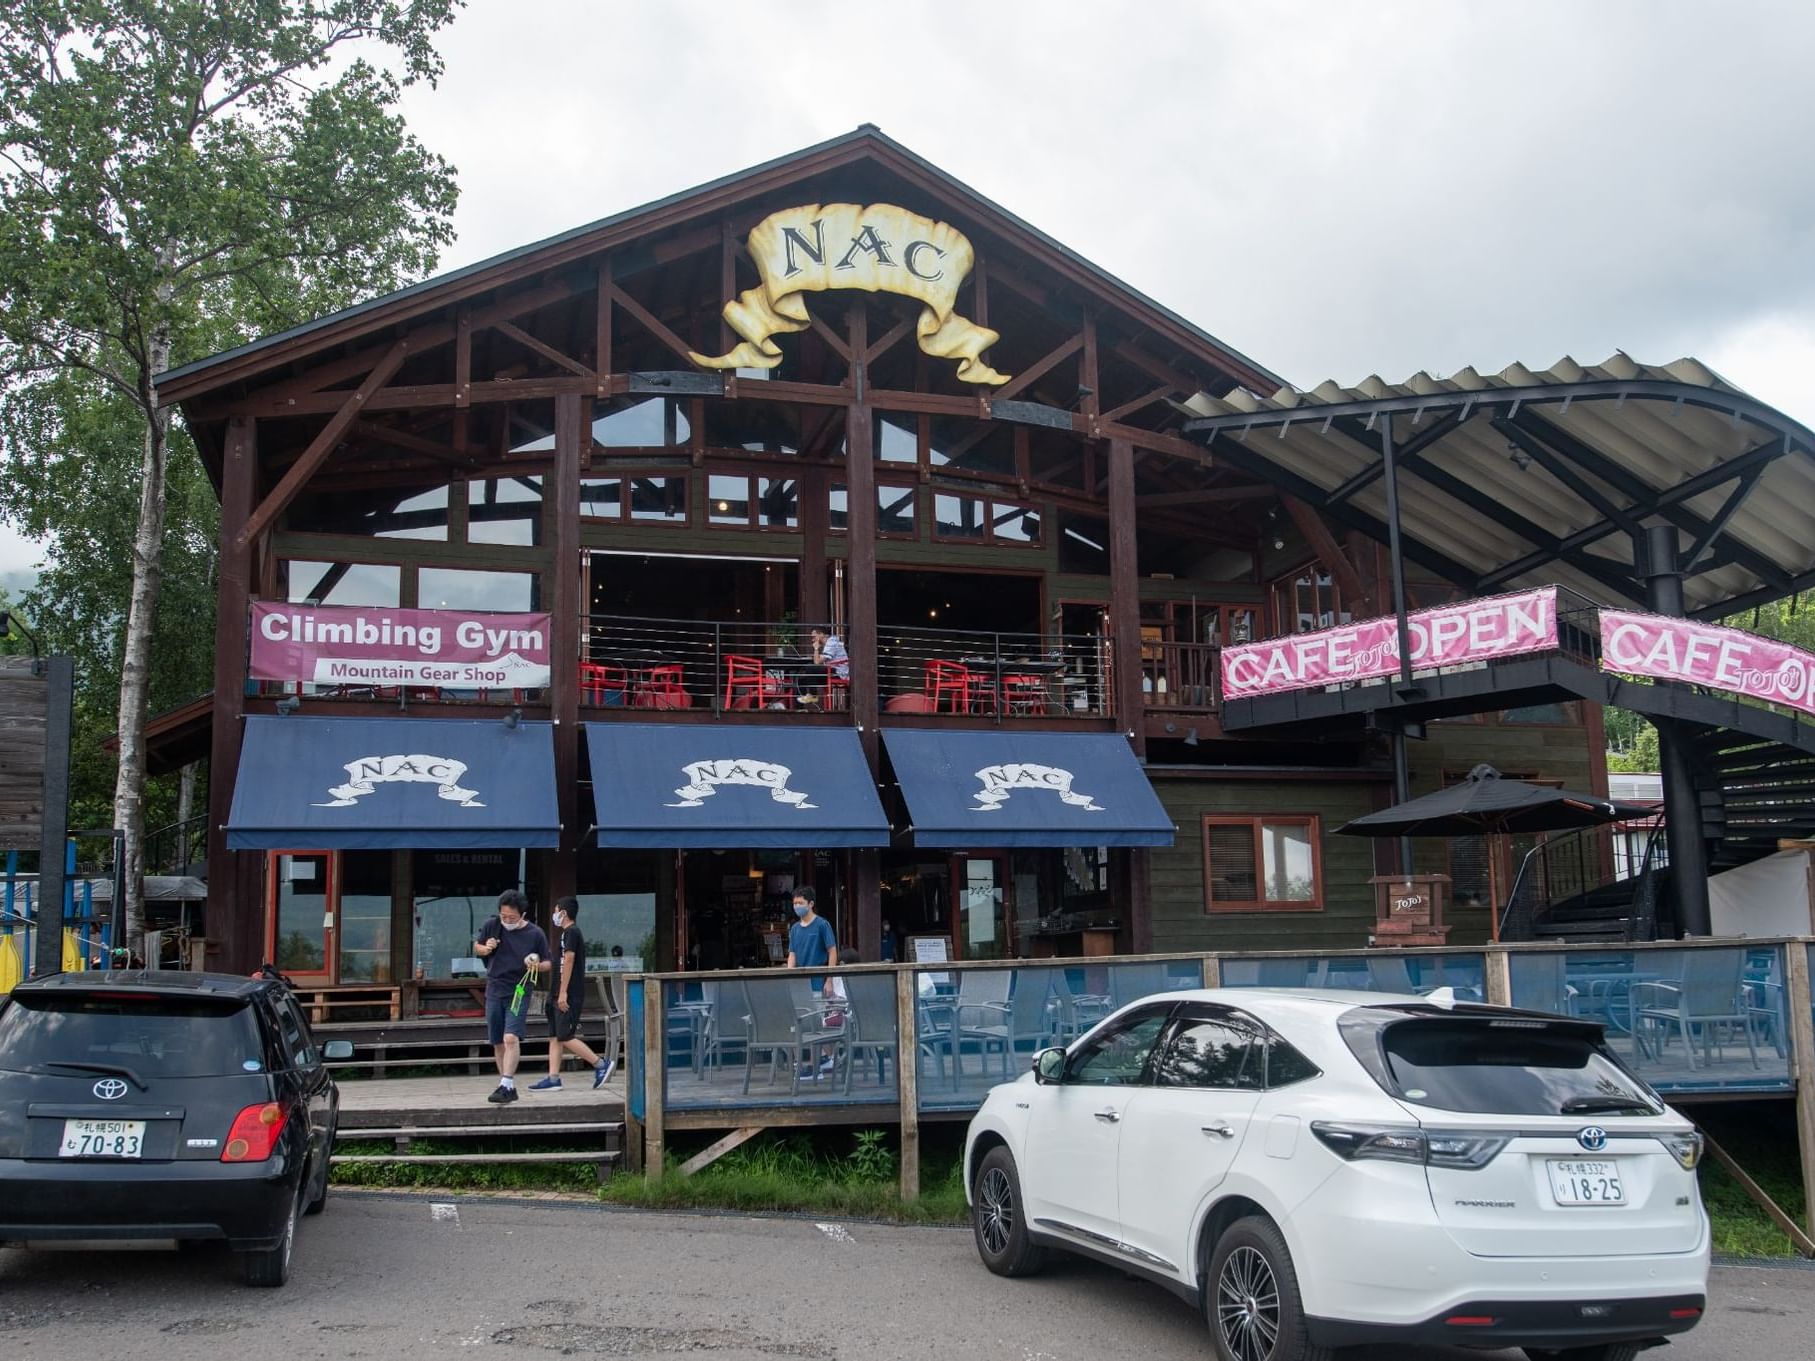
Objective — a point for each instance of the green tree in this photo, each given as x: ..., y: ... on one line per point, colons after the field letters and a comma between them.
x: 174, y: 176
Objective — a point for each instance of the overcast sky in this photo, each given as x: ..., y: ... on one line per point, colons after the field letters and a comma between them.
x: 1333, y: 188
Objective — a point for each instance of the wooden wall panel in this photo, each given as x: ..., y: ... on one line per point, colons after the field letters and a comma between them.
x: 22, y: 711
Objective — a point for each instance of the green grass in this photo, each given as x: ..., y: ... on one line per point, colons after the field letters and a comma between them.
x: 1761, y: 1138
x: 800, y: 1173
x: 503, y: 1175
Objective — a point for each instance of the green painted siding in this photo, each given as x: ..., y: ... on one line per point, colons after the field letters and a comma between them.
x: 1176, y: 876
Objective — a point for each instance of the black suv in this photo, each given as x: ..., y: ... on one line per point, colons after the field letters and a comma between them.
x: 148, y: 1105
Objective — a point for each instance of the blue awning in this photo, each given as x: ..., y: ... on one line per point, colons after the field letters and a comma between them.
x: 364, y: 784
x: 1003, y: 788
x: 685, y: 785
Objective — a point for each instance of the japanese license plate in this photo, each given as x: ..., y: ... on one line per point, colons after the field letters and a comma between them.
x: 102, y: 1139
x: 1575, y: 1182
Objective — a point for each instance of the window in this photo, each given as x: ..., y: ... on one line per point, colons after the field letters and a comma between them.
x: 449, y: 588
x: 505, y: 510
x: 896, y: 439
x: 662, y: 499
x: 960, y: 517
x: 1285, y: 1065
x: 838, y: 508
x: 423, y: 516
x: 1217, y: 1049
x: 895, y: 512
x: 728, y: 500
x: 1083, y: 545
x: 1269, y: 863
x: 1013, y: 524
x: 602, y: 499
x: 154, y: 1036
x: 341, y: 583
x: 293, y: 1033
x: 778, y: 503
x: 652, y: 423
x: 1119, y: 1057
x: 1307, y: 600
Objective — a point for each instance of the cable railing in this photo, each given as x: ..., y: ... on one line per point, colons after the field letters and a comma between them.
x: 722, y: 666
x: 995, y: 674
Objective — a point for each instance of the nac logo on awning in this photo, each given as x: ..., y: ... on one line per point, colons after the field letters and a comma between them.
x: 704, y: 778
x: 1001, y: 781
x: 368, y: 772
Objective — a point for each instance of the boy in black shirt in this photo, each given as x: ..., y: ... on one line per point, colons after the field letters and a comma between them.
x: 565, y: 1000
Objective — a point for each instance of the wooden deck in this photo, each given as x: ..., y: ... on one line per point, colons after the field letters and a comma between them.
x: 425, y: 1103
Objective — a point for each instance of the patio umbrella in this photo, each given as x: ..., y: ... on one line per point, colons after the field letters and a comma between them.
x: 1486, y: 803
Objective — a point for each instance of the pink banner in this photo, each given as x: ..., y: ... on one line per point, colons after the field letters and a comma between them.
x: 376, y: 645
x: 1706, y: 654
x: 1473, y: 631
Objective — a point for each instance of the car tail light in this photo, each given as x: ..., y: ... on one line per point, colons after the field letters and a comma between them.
x: 1471, y: 1320
x: 1399, y: 1144
x: 1685, y: 1148
x: 254, y: 1133
x: 1680, y: 1314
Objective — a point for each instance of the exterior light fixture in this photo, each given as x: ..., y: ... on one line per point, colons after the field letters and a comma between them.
x: 1278, y: 543
x: 1520, y: 459
x: 288, y: 705
x: 513, y: 718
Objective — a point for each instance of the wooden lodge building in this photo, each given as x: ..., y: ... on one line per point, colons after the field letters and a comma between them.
x: 520, y: 569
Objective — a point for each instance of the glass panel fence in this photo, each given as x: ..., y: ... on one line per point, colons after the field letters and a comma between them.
x: 813, y: 1039
x: 1687, y: 1020
x: 979, y: 1027
x: 1419, y: 975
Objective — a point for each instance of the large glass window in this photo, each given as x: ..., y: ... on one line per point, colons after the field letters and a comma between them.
x: 896, y: 439
x: 374, y: 512
x: 1267, y: 863
x: 728, y: 499
x: 449, y: 588
x: 960, y: 517
x: 645, y: 423
x: 761, y: 427
x: 602, y: 498
x: 423, y: 516
x: 838, y: 508
x: 365, y: 917
x: 1307, y: 600
x: 341, y: 583
x: 976, y: 447
x: 895, y: 512
x: 454, y: 892
x: 617, y: 893
x: 505, y: 510
x: 1013, y: 524
x: 778, y: 502
x: 302, y: 903
x: 659, y: 499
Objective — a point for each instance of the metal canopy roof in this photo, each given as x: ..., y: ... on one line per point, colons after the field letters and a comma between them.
x: 1531, y: 476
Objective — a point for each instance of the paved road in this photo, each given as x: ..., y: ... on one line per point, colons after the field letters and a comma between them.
x: 382, y: 1276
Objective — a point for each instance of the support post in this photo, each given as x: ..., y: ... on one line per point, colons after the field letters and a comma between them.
x: 53, y: 840
x: 1499, y: 976
x: 1402, y: 781
x: 860, y: 633
x: 1682, y: 805
x: 1129, y: 867
x: 655, y: 1076
x: 572, y: 429
x: 907, y: 1080
x: 1802, y: 1057
x: 232, y: 921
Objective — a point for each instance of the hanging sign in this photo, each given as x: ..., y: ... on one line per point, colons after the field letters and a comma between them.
x: 879, y: 249
x: 1706, y: 654
x: 360, y: 645
x: 1472, y: 631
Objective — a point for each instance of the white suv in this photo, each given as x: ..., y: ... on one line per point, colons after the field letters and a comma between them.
x: 1319, y: 1170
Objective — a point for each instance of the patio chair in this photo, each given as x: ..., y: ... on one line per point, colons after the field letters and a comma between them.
x: 1766, y: 1001
x: 727, y: 1023
x: 942, y: 1022
x: 1282, y: 973
x: 748, y: 685
x: 1389, y: 974
x: 1541, y: 983
x: 1710, y: 995
x: 778, y: 1028
x: 952, y: 683
x: 870, y: 1024
x: 1130, y: 982
x: 1027, y: 1021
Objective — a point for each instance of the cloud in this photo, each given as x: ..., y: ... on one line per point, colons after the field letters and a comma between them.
x: 1333, y: 188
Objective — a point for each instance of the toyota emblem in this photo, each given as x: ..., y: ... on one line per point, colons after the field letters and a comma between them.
x: 110, y: 1089
x: 1593, y: 1138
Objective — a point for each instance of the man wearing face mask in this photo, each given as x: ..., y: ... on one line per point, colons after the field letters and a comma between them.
x: 515, y: 951
x: 811, y: 945
x: 565, y: 1000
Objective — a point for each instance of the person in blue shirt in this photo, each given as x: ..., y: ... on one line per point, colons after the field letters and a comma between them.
x: 811, y: 945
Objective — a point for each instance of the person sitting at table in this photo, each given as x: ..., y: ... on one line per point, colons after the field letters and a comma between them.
x: 829, y: 652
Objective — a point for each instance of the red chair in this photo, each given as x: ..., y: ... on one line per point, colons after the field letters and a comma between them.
x: 838, y: 690
x: 953, y: 683
x: 597, y: 681
x: 749, y: 686
x: 1024, y: 694
x: 662, y: 688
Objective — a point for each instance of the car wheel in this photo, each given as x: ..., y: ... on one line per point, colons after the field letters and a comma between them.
x: 999, y: 1220
x: 1251, y: 1297
x: 271, y: 1266
x: 1606, y: 1351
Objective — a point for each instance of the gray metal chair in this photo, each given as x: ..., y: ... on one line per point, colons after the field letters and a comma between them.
x: 870, y: 1024
x: 780, y: 1029
x: 1710, y: 995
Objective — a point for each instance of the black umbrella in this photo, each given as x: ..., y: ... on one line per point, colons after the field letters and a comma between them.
x: 1485, y: 803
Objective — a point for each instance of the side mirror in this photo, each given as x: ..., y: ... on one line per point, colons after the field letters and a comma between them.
x: 1049, y: 1067
x: 337, y: 1051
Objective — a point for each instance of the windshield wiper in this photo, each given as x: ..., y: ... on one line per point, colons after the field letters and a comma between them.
x: 118, y: 1069
x: 1585, y: 1105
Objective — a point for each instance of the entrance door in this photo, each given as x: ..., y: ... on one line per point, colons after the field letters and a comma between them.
x: 982, y: 925
x: 300, y: 913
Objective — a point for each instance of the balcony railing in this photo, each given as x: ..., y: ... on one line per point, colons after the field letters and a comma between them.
x: 734, y: 666
x: 1180, y: 677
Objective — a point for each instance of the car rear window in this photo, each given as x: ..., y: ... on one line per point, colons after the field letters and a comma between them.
x: 1511, y: 1068
x: 152, y: 1036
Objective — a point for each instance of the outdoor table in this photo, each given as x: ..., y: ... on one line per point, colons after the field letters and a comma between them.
x: 998, y: 666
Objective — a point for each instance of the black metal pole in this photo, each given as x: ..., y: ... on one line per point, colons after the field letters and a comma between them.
x: 1682, y: 804
x: 59, y: 705
x: 1402, y: 780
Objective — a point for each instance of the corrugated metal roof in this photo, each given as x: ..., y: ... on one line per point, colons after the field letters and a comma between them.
x: 1613, y: 435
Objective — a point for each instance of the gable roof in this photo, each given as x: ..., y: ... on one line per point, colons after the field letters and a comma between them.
x: 866, y: 143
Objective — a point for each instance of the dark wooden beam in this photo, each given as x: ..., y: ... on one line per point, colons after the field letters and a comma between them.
x: 1115, y: 413
x: 320, y: 447
x: 234, y: 929
x: 1323, y: 543
x: 1202, y: 496
x: 649, y: 321
x: 572, y: 424
x: 882, y: 346
x: 1038, y: 369
x: 833, y: 340
x: 548, y: 352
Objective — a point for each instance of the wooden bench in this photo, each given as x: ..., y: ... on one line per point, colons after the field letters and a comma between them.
x: 323, y: 1003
